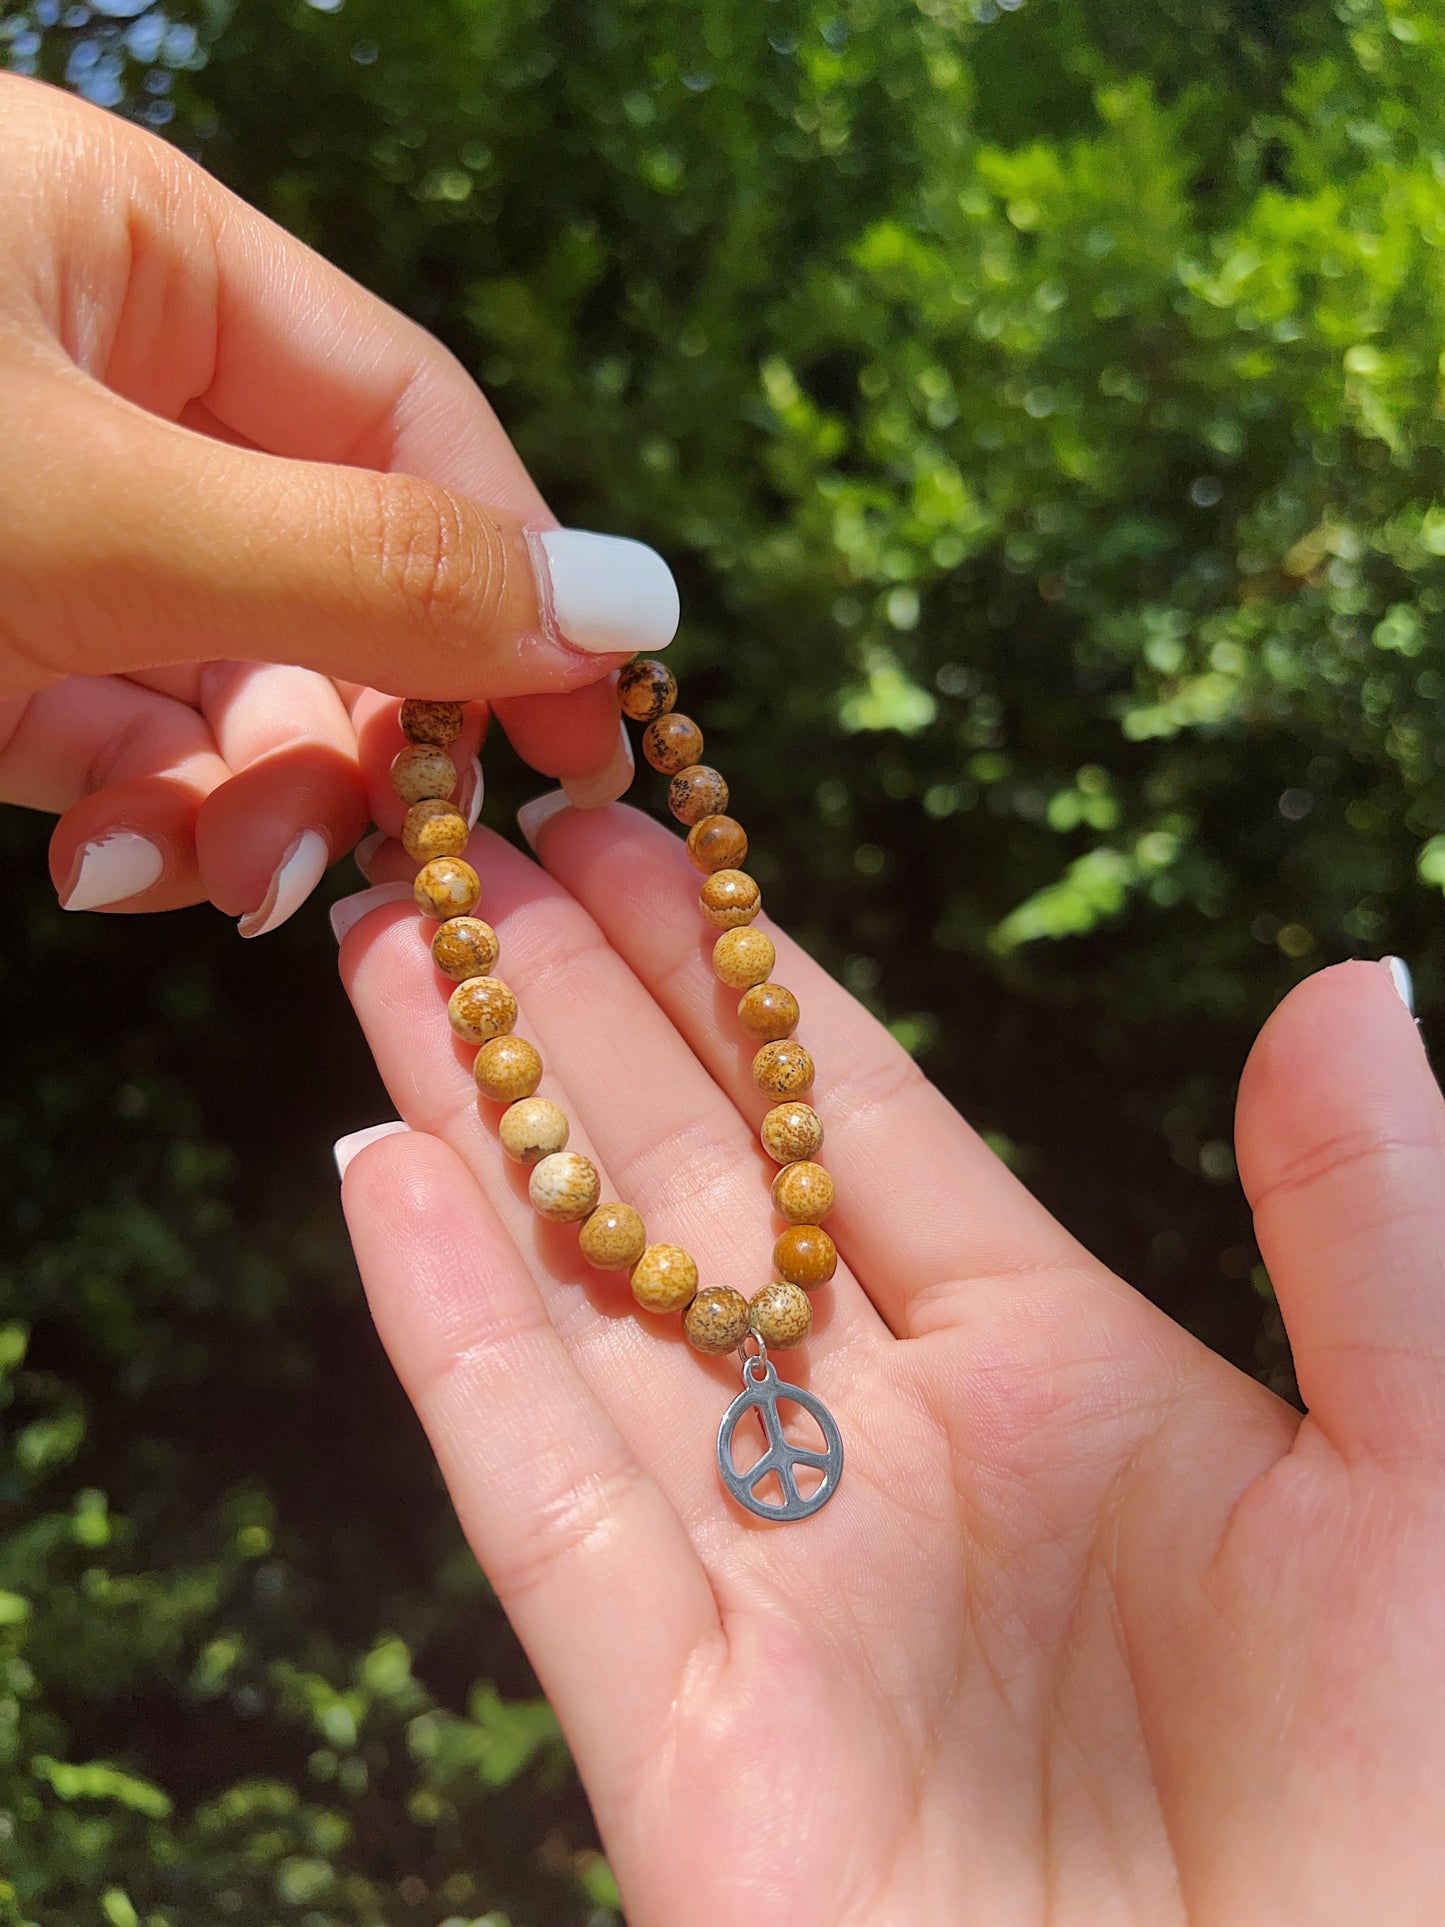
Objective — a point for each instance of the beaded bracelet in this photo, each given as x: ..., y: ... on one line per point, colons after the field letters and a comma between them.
x: 564, y: 1186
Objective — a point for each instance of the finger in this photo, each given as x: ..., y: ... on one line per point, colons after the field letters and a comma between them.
x: 375, y: 720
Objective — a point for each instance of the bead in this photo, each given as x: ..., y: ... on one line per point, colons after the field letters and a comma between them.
x: 803, y: 1193
x: 664, y: 1278
x: 437, y: 723
x: 768, y: 1012
x: 782, y: 1069
x: 717, y: 1320
x: 508, y: 1068
x: 672, y: 743
x: 613, y: 1238
x: 465, y: 947
x: 792, y: 1131
x: 564, y: 1187
x: 433, y: 828
x: 743, y: 958
x: 533, y: 1129
x: 730, y: 897
x: 480, y: 1008
x: 717, y: 843
x: 447, y: 887
x: 805, y: 1255
x: 420, y: 770
x: 780, y: 1315
x: 697, y: 793
x: 646, y: 689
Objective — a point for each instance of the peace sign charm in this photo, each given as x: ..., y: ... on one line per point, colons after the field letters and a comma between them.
x: 762, y: 1388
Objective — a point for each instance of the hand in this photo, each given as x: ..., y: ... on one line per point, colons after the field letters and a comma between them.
x: 1095, y: 1628
x: 237, y: 490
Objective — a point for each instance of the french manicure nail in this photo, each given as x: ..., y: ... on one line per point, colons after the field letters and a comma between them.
x: 113, y: 868
x: 470, y: 792
x: 540, y: 810
x: 347, y: 912
x: 296, y: 876
x: 366, y: 850
x: 606, y: 594
x: 346, y: 1148
x: 1402, y: 980
x: 606, y: 783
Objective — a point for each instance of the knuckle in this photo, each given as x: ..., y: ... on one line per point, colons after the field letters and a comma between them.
x: 432, y: 553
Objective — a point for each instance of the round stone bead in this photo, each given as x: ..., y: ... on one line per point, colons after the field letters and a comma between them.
x: 564, y: 1187
x: 532, y: 1129
x: 792, y: 1131
x: 803, y: 1193
x: 768, y: 1012
x: 646, y: 690
x: 426, y: 722
x: 730, y: 898
x: 717, y: 1320
x: 743, y: 958
x: 805, y: 1255
x: 664, y: 1278
x: 465, y: 947
x: 433, y: 828
x: 447, y: 887
x: 480, y: 1008
x: 696, y: 793
x: 508, y: 1068
x: 780, y: 1315
x: 783, y: 1069
x: 613, y: 1238
x: 717, y: 843
x: 672, y: 743
x: 422, y: 770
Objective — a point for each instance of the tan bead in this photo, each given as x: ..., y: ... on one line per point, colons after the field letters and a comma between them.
x: 646, y: 689
x: 465, y: 947
x: 422, y: 770
x: 792, y: 1131
x: 437, y: 723
x: 780, y: 1315
x: 717, y: 843
x: 697, y: 793
x: 447, y: 887
x: 613, y: 1238
x: 805, y: 1255
x: 508, y: 1068
x: 783, y: 1069
x: 480, y: 1008
x: 672, y: 743
x: 564, y: 1187
x: 717, y: 1320
x: 803, y: 1193
x: 730, y: 898
x: 768, y: 1012
x: 533, y: 1129
x: 743, y: 958
x: 433, y: 828
x: 664, y: 1278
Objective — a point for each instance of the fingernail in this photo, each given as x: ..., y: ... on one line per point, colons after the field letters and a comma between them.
x: 1400, y: 977
x: 347, y: 912
x: 346, y: 1148
x: 113, y: 868
x: 297, y: 875
x: 605, y: 593
x: 470, y: 792
x: 366, y: 849
x: 540, y: 810
x: 606, y: 783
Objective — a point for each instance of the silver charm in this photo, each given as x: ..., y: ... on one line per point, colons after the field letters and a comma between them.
x: 762, y: 1388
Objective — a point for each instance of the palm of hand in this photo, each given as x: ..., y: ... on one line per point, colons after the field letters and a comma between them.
x: 1095, y: 1628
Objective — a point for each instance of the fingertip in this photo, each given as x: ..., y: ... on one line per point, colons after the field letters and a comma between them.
x: 292, y: 808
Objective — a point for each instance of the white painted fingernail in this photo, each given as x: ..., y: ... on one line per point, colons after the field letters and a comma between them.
x: 113, y: 868
x: 1400, y: 977
x: 604, y: 593
x: 347, y: 912
x: 540, y: 810
x: 470, y: 792
x: 604, y: 785
x: 296, y: 876
x: 346, y: 1148
x: 366, y: 850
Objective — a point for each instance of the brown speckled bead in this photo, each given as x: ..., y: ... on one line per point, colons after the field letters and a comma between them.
x: 780, y: 1315
x: 730, y: 898
x: 425, y: 722
x: 792, y: 1131
x: 646, y: 689
x: 465, y: 947
x: 742, y: 958
x: 803, y: 1193
x: 447, y: 887
x: 672, y: 743
x: 768, y: 1012
x: 613, y: 1238
x: 805, y: 1255
x: 564, y: 1187
x: 532, y: 1129
x: 664, y: 1278
x: 717, y: 843
x: 697, y: 793
x: 717, y: 1320
x: 783, y: 1069
x: 433, y: 828
x: 421, y: 770
x: 480, y: 1008
x: 508, y: 1068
